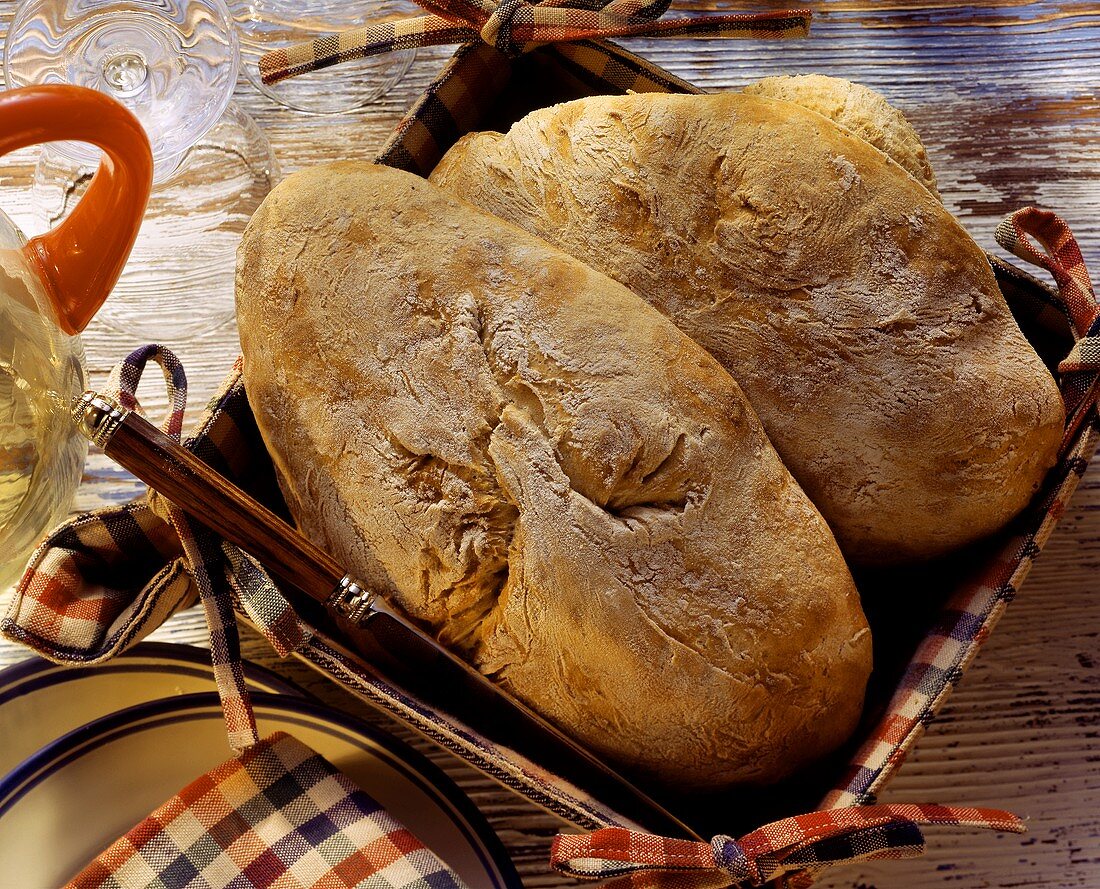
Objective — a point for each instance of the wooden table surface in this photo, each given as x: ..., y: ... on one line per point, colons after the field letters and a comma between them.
x: 1005, y: 96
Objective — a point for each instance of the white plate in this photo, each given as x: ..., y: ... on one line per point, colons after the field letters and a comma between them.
x: 40, y: 701
x: 66, y: 803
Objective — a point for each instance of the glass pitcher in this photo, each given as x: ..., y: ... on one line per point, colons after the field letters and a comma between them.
x: 50, y: 287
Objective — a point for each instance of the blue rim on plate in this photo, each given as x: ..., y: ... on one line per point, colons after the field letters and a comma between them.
x: 41, y: 700
x: 35, y: 672
x: 411, y: 764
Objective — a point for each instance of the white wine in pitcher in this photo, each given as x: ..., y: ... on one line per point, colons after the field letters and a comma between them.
x: 40, y: 460
x: 50, y: 287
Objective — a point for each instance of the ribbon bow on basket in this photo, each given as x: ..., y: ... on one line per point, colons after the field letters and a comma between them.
x: 515, y: 26
x: 795, y: 848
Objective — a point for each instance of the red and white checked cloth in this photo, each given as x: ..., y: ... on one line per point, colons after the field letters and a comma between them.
x: 278, y: 817
x: 1060, y: 255
x: 514, y: 26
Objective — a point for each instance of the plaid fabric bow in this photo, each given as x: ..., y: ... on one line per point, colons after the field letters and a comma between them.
x: 513, y: 26
x: 803, y: 845
x: 1060, y: 255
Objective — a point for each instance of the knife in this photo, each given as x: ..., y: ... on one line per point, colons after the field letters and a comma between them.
x: 400, y: 651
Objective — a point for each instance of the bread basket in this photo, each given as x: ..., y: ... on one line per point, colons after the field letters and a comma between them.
x: 105, y: 579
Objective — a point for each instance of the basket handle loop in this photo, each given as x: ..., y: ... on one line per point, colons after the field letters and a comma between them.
x: 1058, y: 252
x: 126, y: 375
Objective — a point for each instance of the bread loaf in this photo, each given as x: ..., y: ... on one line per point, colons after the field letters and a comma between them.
x: 539, y: 467
x: 862, y: 322
x: 861, y: 111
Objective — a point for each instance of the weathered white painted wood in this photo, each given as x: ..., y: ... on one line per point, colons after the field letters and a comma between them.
x: 1005, y: 97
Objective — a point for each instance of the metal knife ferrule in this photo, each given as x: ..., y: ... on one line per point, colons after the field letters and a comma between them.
x: 350, y: 599
x: 98, y: 417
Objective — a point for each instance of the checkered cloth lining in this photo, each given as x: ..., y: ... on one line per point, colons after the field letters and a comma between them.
x: 76, y: 603
x: 800, y: 846
x: 279, y: 816
x: 201, y: 550
x: 513, y: 26
x: 460, y: 97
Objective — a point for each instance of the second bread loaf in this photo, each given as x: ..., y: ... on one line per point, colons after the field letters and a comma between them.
x: 860, y: 319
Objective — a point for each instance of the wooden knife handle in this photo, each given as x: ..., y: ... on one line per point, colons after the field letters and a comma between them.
x: 167, y: 467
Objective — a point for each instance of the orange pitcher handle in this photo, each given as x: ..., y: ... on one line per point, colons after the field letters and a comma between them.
x: 80, y: 260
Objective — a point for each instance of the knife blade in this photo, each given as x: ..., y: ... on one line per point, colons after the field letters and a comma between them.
x: 400, y: 651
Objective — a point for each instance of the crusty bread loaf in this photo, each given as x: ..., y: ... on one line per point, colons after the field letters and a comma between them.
x: 859, y: 318
x: 538, y: 466
x: 859, y: 110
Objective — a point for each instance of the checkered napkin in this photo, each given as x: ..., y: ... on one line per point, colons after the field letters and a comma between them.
x: 514, y: 26
x: 278, y: 817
